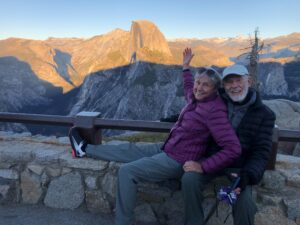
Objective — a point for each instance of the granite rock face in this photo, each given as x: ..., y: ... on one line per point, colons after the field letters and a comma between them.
x: 20, y: 88
x: 287, y: 117
x: 147, y: 91
x: 144, y: 34
x: 44, y: 61
x: 273, y: 83
x: 65, y: 192
x: 287, y: 113
x: 141, y: 91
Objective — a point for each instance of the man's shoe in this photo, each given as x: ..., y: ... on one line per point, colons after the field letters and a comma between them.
x: 78, y: 143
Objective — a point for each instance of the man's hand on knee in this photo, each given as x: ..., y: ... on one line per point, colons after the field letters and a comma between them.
x: 243, y: 182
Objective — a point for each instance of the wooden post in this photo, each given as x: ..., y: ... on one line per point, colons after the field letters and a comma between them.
x: 86, y: 122
x: 275, y: 139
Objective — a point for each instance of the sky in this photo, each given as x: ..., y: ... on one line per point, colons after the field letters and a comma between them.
x: 41, y: 19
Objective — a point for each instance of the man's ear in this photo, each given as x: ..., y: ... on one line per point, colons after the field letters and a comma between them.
x: 250, y: 80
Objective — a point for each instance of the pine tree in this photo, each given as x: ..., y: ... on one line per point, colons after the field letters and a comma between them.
x: 255, y: 47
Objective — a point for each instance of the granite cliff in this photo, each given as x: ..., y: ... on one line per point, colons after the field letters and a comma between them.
x: 67, y: 75
x: 65, y: 62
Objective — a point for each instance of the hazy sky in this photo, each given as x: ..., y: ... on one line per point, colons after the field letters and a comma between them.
x: 40, y: 19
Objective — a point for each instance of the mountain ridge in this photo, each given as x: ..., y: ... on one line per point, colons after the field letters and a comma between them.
x: 65, y: 62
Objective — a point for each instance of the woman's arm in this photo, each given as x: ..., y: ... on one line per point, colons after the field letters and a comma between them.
x: 225, y: 136
x: 187, y: 58
x: 188, y: 81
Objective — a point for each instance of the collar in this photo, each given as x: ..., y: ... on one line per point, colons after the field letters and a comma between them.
x: 257, y: 102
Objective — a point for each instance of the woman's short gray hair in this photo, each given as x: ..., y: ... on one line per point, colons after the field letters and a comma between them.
x: 212, y: 74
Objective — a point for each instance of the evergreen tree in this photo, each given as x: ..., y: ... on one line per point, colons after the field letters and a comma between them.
x: 255, y: 47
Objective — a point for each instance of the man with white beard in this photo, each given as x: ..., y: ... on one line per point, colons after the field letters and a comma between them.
x: 253, y: 123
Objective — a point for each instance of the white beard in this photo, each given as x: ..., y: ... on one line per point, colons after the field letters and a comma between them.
x: 239, y: 98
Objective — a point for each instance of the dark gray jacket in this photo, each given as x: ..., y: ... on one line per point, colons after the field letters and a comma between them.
x: 255, y: 134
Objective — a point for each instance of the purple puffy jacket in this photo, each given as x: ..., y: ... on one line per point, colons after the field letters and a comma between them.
x: 198, y: 122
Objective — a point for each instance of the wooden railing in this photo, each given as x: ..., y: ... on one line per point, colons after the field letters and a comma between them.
x: 91, y: 127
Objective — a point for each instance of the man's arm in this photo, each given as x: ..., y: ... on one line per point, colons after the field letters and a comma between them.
x: 259, y: 153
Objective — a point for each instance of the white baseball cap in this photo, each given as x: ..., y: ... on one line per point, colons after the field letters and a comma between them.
x: 235, y: 69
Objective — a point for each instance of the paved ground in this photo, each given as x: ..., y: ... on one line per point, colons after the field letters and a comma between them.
x: 41, y: 215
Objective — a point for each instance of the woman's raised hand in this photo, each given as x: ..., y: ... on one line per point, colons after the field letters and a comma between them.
x: 187, y: 58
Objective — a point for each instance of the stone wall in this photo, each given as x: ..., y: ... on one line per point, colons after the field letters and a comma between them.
x: 40, y: 170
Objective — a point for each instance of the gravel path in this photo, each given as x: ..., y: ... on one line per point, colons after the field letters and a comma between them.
x: 41, y: 215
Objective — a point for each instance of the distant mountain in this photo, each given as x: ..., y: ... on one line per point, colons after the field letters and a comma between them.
x: 22, y: 91
x: 280, y: 49
x: 130, y: 91
x: 142, y: 91
x: 129, y: 74
x: 204, y: 56
x: 144, y: 35
x: 228, y: 47
x: 148, y: 91
x: 47, y: 63
x: 65, y: 62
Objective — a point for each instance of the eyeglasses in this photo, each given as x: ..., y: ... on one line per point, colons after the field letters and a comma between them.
x: 208, y: 71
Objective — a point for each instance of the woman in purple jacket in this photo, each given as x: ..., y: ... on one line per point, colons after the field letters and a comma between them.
x: 204, y: 117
